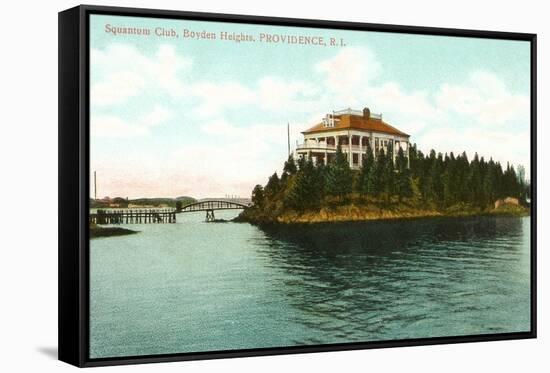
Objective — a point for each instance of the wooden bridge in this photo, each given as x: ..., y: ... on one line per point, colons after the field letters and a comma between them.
x: 133, y: 216
x: 211, y: 205
x: 159, y: 216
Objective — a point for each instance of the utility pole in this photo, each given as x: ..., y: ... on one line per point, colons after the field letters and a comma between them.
x: 95, y: 186
x: 288, y: 136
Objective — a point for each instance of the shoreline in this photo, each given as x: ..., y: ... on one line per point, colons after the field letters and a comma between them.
x: 97, y: 231
x: 353, y: 213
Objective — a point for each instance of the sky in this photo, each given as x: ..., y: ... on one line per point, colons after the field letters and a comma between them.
x: 173, y: 116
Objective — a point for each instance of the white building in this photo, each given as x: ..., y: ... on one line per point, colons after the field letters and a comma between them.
x: 352, y: 130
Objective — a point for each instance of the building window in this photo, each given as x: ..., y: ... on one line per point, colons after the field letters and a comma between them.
x: 355, y: 158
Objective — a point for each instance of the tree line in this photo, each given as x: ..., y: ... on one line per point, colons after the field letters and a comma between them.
x: 437, y: 180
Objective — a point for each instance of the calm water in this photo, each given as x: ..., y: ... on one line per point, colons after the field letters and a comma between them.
x: 194, y: 286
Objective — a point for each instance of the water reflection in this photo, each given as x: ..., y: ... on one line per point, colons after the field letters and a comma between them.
x: 402, y: 279
x: 195, y: 286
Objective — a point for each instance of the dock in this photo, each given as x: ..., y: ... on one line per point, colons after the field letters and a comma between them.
x: 133, y: 216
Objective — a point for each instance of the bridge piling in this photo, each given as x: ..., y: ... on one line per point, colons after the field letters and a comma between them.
x: 210, y: 216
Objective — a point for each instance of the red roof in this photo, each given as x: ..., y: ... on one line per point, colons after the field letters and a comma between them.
x: 358, y: 122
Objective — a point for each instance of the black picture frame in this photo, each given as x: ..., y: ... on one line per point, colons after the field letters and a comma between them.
x: 73, y: 250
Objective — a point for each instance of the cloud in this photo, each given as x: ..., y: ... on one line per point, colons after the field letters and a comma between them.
x: 350, y: 70
x: 485, y: 99
x: 481, y: 115
x: 275, y: 93
x: 122, y: 71
x: 249, y: 133
x: 234, y: 158
x: 231, y: 155
x: 475, y: 116
x: 116, y: 88
x: 108, y: 125
x: 409, y: 111
x: 157, y: 116
x: 166, y: 67
x: 270, y: 94
x: 217, y: 97
x: 500, y: 145
x: 351, y: 78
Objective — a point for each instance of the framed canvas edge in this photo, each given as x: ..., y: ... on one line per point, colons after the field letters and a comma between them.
x: 73, y: 270
x: 70, y: 155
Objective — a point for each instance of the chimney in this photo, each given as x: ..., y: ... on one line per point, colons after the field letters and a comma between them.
x: 366, y: 113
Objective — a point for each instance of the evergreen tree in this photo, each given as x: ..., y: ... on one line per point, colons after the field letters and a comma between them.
x: 425, y: 180
x: 304, y: 192
x: 482, y: 198
x: 499, y: 188
x: 434, y: 182
x: 289, y: 169
x: 388, y: 175
x: 375, y: 180
x: 339, y: 178
x: 436, y: 179
x: 302, y: 161
x: 403, y: 177
x: 461, y: 180
x: 510, y: 182
x: 320, y: 177
x: 449, y: 174
x: 366, y: 167
x: 414, y: 159
x: 273, y: 186
x: 417, y: 164
x: 258, y: 197
x: 475, y: 182
x: 489, y: 183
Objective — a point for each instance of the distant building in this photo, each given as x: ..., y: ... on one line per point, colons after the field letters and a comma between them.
x: 352, y: 130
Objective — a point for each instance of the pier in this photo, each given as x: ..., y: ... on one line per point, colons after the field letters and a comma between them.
x: 133, y: 216
x: 165, y: 215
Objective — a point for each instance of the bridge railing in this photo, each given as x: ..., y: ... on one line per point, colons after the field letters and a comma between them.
x: 213, y: 205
